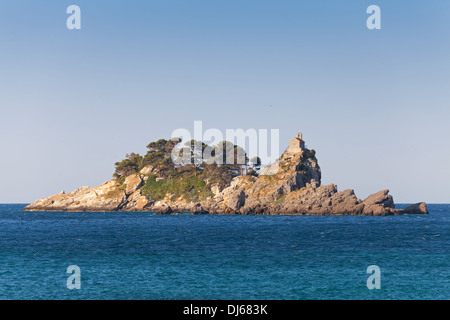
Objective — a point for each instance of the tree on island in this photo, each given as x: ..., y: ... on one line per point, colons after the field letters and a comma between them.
x: 195, y: 149
x: 199, y: 165
x: 131, y: 164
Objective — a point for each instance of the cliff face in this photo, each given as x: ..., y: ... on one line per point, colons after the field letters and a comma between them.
x: 292, y: 185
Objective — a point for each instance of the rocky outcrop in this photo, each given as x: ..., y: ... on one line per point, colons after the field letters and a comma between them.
x: 198, y: 209
x: 164, y: 210
x: 110, y: 196
x: 380, y: 203
x: 237, y: 200
x: 324, y: 200
x: 132, y: 183
x: 291, y: 185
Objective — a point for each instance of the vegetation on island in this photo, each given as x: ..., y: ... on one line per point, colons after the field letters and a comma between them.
x: 199, y: 168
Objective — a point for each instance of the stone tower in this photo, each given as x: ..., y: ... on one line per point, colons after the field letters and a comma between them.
x: 299, y: 138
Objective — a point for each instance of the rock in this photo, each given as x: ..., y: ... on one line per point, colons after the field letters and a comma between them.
x: 379, y: 204
x: 346, y: 202
x: 142, y: 203
x: 108, y: 197
x: 215, y: 189
x: 216, y: 211
x: 380, y: 198
x: 164, y: 210
x: 237, y: 200
x: 146, y: 170
x: 132, y: 183
x: 198, y: 209
x: 131, y: 202
x: 294, y: 182
x: 418, y: 208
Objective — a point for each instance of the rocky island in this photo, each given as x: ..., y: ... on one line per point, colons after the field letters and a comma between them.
x: 290, y: 186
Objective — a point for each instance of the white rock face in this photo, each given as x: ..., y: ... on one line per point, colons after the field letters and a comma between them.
x: 146, y: 170
x: 133, y: 182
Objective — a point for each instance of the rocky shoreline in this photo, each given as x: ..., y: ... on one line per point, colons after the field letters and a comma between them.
x: 290, y: 186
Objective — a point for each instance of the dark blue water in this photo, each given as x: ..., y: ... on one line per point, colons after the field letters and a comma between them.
x: 144, y: 256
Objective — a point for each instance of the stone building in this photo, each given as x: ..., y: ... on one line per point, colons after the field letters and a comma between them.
x: 297, y: 143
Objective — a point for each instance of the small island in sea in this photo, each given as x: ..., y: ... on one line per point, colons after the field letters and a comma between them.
x: 291, y: 185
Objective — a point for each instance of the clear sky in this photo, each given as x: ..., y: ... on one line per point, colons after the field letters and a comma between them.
x: 374, y: 104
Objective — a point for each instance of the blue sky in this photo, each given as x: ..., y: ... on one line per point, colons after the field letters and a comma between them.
x: 373, y: 104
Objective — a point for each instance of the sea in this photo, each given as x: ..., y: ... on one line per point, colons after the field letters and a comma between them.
x: 143, y: 256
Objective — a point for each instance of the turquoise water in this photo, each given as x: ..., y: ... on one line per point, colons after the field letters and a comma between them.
x: 145, y: 256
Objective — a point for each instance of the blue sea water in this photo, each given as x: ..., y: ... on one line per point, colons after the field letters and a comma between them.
x: 146, y: 256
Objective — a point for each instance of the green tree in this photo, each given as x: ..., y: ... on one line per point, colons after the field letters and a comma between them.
x: 159, y: 155
x: 232, y: 156
x: 130, y: 165
x: 195, y: 149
